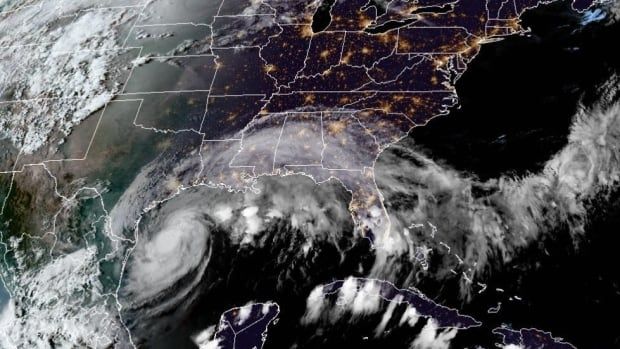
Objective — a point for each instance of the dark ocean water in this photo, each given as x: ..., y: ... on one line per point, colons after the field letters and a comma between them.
x: 519, y: 95
x: 518, y: 98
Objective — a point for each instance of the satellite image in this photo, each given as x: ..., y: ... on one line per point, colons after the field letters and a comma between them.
x: 249, y: 174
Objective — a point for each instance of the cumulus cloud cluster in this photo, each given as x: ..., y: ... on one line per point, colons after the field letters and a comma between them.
x: 471, y: 224
x: 205, y: 340
x: 170, y: 263
x: 486, y: 223
x: 361, y: 299
x: 431, y: 338
x: 58, y: 65
x: 350, y: 299
x: 61, y: 305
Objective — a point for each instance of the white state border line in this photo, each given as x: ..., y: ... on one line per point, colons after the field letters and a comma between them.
x: 134, y: 67
x: 443, y: 91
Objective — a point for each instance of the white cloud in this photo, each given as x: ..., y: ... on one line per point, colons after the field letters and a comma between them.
x: 314, y: 306
x: 72, y: 62
x: 410, y: 316
x: 430, y: 338
x: 252, y: 220
x: 387, y: 316
x: 205, y: 340
x: 43, y: 307
x: 367, y: 301
x: 244, y: 314
x: 515, y: 212
x: 223, y: 213
x: 265, y: 308
x: 347, y: 293
x: 179, y: 246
